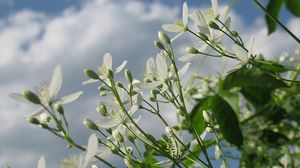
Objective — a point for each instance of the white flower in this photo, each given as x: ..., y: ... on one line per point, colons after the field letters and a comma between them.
x: 85, y: 158
x: 47, y: 94
x: 159, y: 72
x: 105, y: 68
x: 215, y: 37
x: 180, y: 26
x: 42, y: 162
x: 115, y: 116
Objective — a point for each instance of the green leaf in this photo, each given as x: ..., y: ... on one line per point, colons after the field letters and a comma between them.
x: 294, y: 7
x: 251, y: 77
x: 227, y: 120
x: 232, y: 99
x: 273, y: 9
x: 256, y: 95
x: 270, y: 66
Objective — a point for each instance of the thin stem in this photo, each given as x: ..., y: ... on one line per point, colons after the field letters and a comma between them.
x: 277, y: 21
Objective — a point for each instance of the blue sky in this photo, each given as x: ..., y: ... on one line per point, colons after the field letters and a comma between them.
x: 36, y: 35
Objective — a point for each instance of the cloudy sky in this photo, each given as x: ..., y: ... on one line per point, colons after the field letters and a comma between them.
x: 35, y: 36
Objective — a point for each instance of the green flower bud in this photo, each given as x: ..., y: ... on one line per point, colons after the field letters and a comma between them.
x: 101, y: 88
x: 109, y: 130
x: 110, y: 73
x: 164, y: 37
x: 33, y: 120
x: 150, y: 137
x: 120, y: 85
x: 32, y: 97
x: 154, y: 93
x: 159, y: 45
x: 234, y: 33
x: 59, y: 108
x: 114, y: 150
x: 152, y: 99
x: 91, y: 74
x: 203, y: 36
x: 44, y: 125
x: 213, y: 25
x: 164, y: 137
x: 90, y: 124
x: 191, y: 50
x: 131, y: 137
x: 128, y: 76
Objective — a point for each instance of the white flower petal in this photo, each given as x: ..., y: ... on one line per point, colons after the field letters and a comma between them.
x: 240, y: 53
x: 107, y: 61
x: 185, y: 13
x: 92, y: 149
x: 161, y: 66
x: 18, y: 97
x: 119, y: 68
x: 250, y: 46
x: 148, y: 85
x: 70, y: 98
x: 187, y: 58
x: 172, y: 28
x: 215, y: 6
x: 37, y: 112
x: 56, y: 82
x: 89, y: 81
x: 42, y: 162
x: 150, y: 66
x: 184, y: 69
x: 178, y: 35
x: 106, y: 124
x: 133, y: 109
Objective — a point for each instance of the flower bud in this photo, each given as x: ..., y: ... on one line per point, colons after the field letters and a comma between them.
x: 120, y: 85
x: 164, y: 37
x: 128, y: 76
x: 152, y: 99
x: 110, y: 73
x: 154, y: 93
x: 101, y: 88
x: 109, y: 130
x: 191, y: 50
x: 114, y: 150
x: 131, y: 137
x: 206, y: 116
x: 213, y: 25
x: 44, y: 125
x: 59, y: 108
x: 164, y: 137
x: 91, y: 74
x: 159, y: 45
x: 33, y: 120
x: 90, y: 124
x: 234, y: 33
x: 150, y: 137
x: 32, y: 97
x: 203, y: 36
